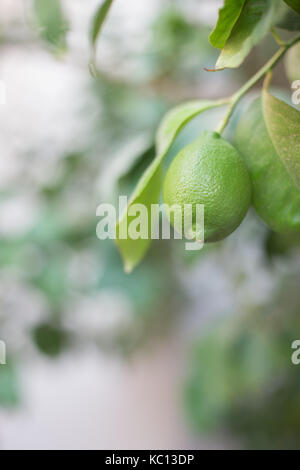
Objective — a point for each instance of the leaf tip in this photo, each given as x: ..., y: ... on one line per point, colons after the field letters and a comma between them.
x: 215, y: 69
x: 128, y: 268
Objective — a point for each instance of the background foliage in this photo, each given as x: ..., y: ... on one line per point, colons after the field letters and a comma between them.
x: 62, y: 290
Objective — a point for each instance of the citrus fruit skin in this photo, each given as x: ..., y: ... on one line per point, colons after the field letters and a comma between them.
x: 276, y: 198
x: 210, y: 171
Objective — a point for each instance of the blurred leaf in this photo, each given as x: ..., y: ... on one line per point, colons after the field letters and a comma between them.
x: 288, y: 19
x: 177, y: 48
x: 280, y: 244
x: 52, y: 278
x: 253, y: 24
x: 294, y: 4
x: 233, y: 361
x: 148, y: 189
x: 50, y: 340
x: 228, y: 16
x: 283, y: 123
x: 271, y: 421
x: 98, y: 21
x: 241, y: 379
x: 9, y: 395
x: 146, y: 285
x: 52, y: 22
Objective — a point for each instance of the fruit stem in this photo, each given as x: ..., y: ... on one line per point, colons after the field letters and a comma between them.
x: 236, y: 97
x: 267, y: 80
x: 277, y: 38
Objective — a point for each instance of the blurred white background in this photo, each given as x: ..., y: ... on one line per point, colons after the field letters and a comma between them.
x: 85, y: 401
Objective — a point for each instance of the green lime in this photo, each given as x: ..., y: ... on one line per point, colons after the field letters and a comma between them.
x: 275, y: 197
x: 209, y: 171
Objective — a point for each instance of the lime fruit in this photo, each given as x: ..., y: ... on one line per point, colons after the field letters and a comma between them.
x: 275, y: 197
x: 211, y: 172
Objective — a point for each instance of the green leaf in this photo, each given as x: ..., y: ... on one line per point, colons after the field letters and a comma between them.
x: 228, y: 16
x: 148, y: 189
x: 275, y: 197
x: 49, y: 339
x: 292, y: 63
x: 283, y: 123
x: 98, y: 20
x: 253, y: 24
x: 52, y: 22
x: 294, y: 4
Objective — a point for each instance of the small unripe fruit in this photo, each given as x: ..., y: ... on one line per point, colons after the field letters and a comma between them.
x: 211, y: 172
